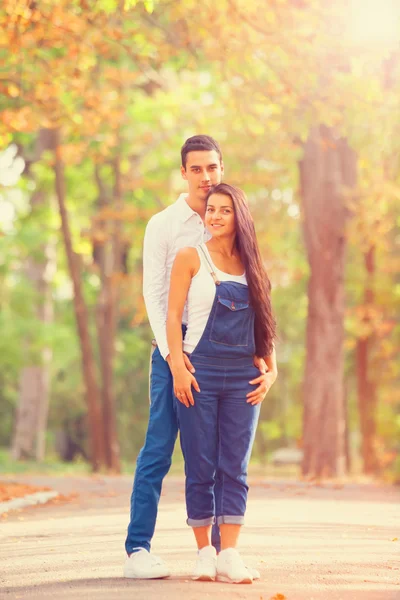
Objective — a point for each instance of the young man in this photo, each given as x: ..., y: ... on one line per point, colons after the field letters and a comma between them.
x: 179, y: 225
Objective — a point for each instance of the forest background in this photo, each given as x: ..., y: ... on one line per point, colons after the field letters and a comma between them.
x: 96, y: 99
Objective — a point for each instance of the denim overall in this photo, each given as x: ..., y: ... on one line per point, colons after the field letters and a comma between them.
x: 217, y: 433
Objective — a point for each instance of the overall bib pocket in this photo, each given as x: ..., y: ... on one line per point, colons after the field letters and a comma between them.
x: 231, y: 323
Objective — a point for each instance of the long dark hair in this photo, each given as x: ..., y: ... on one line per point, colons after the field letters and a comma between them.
x: 257, y: 278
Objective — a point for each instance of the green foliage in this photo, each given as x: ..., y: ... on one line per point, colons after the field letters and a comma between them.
x: 131, y: 81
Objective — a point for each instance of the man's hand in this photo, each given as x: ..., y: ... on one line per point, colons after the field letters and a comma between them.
x: 187, y: 362
x: 265, y: 381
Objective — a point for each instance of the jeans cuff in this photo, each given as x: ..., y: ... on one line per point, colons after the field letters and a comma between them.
x: 230, y: 520
x: 200, y: 522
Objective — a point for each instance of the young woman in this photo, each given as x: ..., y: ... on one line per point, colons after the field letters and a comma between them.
x: 229, y: 323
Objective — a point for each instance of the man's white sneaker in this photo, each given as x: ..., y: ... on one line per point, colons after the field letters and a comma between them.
x: 231, y: 568
x: 143, y: 565
x: 206, y: 565
x: 254, y: 573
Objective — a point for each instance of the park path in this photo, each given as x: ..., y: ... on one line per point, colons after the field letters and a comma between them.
x: 309, y: 543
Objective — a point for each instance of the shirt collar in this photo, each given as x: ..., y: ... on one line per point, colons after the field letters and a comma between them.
x: 184, y: 210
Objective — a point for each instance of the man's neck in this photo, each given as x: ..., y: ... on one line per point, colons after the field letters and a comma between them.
x: 197, y: 205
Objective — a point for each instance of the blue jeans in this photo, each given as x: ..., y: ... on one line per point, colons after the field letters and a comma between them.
x: 217, y: 436
x: 155, y: 458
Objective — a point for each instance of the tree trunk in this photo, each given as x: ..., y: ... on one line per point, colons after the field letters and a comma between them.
x: 366, y: 388
x: 327, y: 168
x: 347, y: 448
x: 111, y: 321
x: 108, y: 258
x: 33, y: 403
x: 96, y: 426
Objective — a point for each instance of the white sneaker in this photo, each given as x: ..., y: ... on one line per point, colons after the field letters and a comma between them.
x: 254, y: 573
x: 231, y: 568
x: 143, y: 565
x: 206, y: 565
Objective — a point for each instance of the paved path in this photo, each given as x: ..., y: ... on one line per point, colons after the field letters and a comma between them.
x: 309, y: 544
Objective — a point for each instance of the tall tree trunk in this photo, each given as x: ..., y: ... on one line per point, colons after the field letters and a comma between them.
x: 366, y: 387
x: 96, y: 426
x: 111, y: 320
x: 108, y: 256
x: 34, y: 388
x: 327, y: 168
x: 347, y: 449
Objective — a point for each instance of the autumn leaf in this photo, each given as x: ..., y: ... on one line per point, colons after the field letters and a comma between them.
x: 9, y: 491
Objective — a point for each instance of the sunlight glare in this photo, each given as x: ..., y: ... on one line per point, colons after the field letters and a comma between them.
x: 375, y: 22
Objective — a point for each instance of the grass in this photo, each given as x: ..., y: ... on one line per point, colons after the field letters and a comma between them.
x: 53, y: 466
x: 50, y: 466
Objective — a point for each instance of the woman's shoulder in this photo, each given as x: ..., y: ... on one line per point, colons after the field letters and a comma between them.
x: 188, y: 256
x: 188, y: 252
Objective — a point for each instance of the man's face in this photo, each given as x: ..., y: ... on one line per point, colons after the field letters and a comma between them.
x: 203, y: 169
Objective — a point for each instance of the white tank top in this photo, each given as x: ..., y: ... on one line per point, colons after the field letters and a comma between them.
x: 201, y: 297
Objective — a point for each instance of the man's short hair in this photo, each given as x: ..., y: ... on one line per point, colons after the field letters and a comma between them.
x: 199, y: 142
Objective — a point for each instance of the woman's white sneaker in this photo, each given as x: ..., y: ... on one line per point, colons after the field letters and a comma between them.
x: 205, y: 568
x: 231, y: 568
x: 143, y: 565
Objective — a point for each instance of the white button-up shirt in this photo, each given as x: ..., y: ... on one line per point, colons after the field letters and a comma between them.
x: 173, y: 228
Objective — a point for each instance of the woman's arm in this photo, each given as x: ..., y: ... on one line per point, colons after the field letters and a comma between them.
x: 185, y: 266
x: 270, y: 361
x: 266, y: 379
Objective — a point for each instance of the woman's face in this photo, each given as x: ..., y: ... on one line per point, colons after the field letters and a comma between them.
x: 220, y: 216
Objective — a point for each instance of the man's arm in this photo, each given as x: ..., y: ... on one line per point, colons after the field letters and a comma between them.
x: 155, y: 252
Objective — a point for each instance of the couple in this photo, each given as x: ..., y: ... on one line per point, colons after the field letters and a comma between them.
x: 208, y: 301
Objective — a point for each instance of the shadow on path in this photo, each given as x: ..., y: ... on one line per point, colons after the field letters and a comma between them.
x: 182, y: 588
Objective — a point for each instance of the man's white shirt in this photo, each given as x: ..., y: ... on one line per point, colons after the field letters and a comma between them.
x: 168, y: 231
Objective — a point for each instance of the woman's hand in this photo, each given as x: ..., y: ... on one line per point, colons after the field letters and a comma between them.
x: 183, y: 382
x: 186, y: 265
x: 265, y: 381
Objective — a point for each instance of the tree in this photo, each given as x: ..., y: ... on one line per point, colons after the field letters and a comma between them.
x: 88, y: 363
x: 33, y: 403
x: 327, y: 170
x: 124, y: 85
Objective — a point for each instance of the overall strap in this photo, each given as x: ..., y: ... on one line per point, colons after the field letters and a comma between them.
x: 210, y: 266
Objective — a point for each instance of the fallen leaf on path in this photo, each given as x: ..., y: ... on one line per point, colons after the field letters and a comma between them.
x: 395, y: 539
x: 278, y: 597
x: 62, y: 499
x: 9, y: 491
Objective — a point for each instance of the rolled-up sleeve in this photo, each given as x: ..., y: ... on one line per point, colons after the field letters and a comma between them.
x: 155, y: 252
